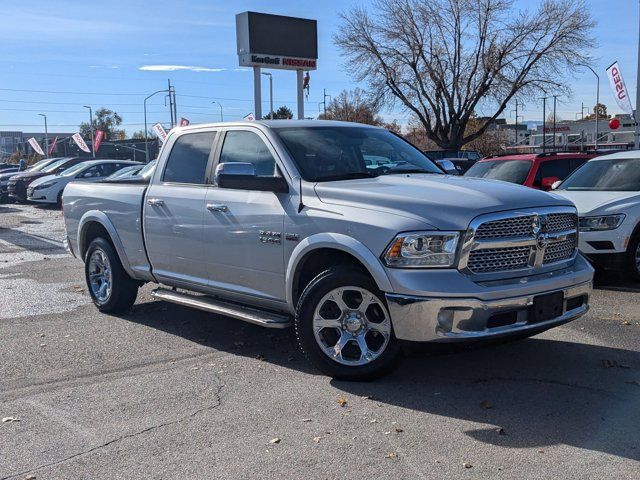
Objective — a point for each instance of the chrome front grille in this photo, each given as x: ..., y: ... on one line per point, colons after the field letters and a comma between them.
x: 526, y: 241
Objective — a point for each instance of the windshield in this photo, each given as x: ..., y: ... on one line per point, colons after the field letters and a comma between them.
x: 341, y: 153
x: 73, y: 170
x: 513, y: 171
x: 36, y: 167
x: 52, y: 166
x: 148, y: 169
x: 621, y: 174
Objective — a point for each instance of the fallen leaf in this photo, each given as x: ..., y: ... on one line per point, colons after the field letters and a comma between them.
x: 10, y: 419
x: 366, y: 397
x: 306, y: 419
x: 274, y: 440
x: 626, y: 322
x: 392, y: 456
x: 486, y: 404
x: 342, y: 401
x: 260, y: 357
x: 540, y: 451
x: 501, y: 431
x: 30, y: 477
x: 387, y: 433
x: 399, y: 430
x: 467, y: 465
x: 316, y: 439
x: 373, y: 421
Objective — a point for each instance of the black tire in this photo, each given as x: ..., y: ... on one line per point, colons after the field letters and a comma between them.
x: 632, y: 265
x: 124, y: 289
x: 314, y: 292
x: 59, y: 199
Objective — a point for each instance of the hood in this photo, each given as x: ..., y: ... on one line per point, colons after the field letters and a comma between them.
x: 443, y: 201
x: 29, y: 176
x: 4, y: 176
x: 45, y: 179
x: 594, y: 202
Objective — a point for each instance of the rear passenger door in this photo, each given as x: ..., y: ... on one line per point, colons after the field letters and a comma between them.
x: 173, y: 211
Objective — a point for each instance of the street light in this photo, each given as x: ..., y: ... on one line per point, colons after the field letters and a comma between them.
x: 270, y: 93
x: 597, y: 100
x: 46, y: 136
x: 93, y: 152
x: 146, y: 138
x: 220, y: 105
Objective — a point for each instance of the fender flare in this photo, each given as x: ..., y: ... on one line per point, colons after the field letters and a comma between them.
x: 101, y: 218
x: 336, y: 241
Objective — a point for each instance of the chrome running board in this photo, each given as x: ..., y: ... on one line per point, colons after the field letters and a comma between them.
x: 208, y: 304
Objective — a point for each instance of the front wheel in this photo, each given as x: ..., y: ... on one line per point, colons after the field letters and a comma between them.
x: 344, y: 328
x: 633, y: 256
x: 110, y: 287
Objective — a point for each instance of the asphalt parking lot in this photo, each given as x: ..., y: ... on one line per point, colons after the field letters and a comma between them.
x: 167, y: 392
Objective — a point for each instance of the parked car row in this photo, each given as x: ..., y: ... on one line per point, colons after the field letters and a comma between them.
x: 45, y: 181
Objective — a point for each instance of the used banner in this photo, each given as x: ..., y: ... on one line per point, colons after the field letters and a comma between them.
x: 160, y: 132
x: 249, y: 117
x: 52, y: 147
x: 97, y: 139
x: 619, y: 88
x: 80, y: 142
x: 36, y: 146
x: 184, y: 122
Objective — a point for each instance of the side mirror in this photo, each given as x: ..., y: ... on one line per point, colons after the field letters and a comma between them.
x: 242, y: 176
x: 547, y: 182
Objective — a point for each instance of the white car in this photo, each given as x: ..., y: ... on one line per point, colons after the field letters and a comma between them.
x: 606, y: 191
x: 49, y: 189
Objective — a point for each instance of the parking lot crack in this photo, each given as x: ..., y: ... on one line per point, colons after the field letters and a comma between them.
x: 196, y: 413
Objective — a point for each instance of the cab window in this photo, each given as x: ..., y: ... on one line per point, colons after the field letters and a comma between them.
x: 187, y: 162
x: 248, y: 147
x: 553, y: 168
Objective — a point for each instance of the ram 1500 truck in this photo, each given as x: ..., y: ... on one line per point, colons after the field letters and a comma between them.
x: 346, y: 231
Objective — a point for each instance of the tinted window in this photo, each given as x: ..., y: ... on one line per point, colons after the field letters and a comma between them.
x: 187, y: 162
x: 553, y: 168
x: 514, y: 171
x: 243, y: 146
x: 342, y: 153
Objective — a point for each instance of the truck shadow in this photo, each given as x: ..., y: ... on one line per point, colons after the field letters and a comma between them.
x: 540, y: 392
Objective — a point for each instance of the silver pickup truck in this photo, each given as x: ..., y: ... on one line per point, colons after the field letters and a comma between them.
x: 346, y: 231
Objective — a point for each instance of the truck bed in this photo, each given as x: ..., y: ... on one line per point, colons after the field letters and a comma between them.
x: 121, y: 203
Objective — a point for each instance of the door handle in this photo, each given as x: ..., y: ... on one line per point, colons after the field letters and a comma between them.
x: 156, y: 202
x: 212, y: 207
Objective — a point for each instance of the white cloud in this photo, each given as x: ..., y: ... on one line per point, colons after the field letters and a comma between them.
x: 173, y: 68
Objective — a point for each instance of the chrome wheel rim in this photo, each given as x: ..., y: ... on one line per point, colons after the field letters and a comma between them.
x: 100, y: 278
x: 351, y: 326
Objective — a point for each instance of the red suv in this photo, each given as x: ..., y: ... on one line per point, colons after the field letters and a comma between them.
x: 539, y: 171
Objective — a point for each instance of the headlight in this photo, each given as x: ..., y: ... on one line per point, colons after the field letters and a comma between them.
x: 44, y: 185
x: 605, y: 222
x: 422, y: 249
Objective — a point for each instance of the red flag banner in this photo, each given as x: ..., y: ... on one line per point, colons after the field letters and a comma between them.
x: 184, y: 122
x: 97, y: 139
x: 52, y: 147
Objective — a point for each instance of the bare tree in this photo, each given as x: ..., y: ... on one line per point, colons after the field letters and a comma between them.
x: 352, y: 106
x: 445, y: 59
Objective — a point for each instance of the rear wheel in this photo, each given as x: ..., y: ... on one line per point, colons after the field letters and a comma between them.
x: 343, y: 326
x: 110, y: 287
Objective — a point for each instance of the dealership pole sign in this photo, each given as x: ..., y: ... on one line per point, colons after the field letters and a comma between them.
x: 619, y: 88
x: 277, y: 42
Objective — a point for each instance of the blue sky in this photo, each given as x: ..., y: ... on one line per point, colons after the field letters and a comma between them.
x: 95, y: 54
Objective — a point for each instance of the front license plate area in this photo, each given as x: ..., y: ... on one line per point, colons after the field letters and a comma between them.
x: 546, y: 307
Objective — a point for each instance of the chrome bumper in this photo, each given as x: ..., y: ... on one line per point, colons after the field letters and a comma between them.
x: 428, y: 319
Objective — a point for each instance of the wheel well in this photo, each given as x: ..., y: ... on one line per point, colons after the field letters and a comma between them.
x: 92, y: 231
x: 316, y: 262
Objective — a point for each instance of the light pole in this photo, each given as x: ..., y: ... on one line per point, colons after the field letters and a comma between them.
x: 93, y: 152
x: 220, y: 105
x: 146, y: 137
x: 597, y: 112
x: 270, y: 93
x: 46, y: 136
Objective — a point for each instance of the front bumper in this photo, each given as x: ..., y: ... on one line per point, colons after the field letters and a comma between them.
x: 458, y: 319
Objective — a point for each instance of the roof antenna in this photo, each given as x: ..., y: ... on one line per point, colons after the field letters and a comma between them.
x: 301, y: 204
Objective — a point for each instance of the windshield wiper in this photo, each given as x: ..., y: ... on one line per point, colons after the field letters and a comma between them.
x: 406, y: 170
x: 347, y: 176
